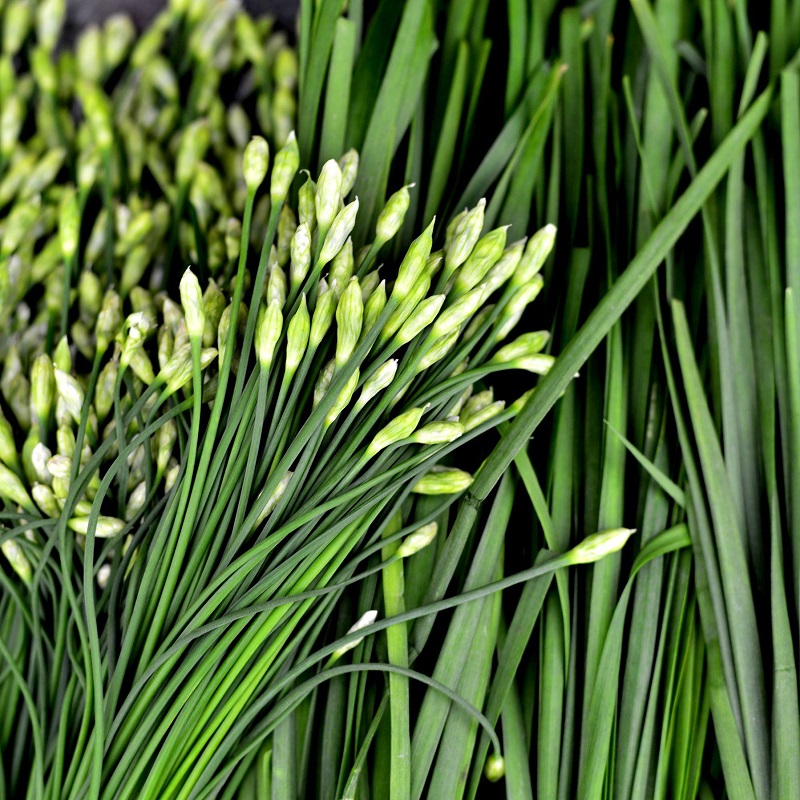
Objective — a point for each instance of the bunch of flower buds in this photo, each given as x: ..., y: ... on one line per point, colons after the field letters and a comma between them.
x: 118, y: 156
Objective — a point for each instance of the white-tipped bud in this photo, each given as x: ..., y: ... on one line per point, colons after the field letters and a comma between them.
x: 442, y: 432
x: 422, y: 316
x: 136, y: 501
x: 268, y: 331
x: 69, y: 224
x: 274, y: 497
x: 103, y: 576
x: 538, y: 364
x: 339, y: 231
x: 366, y: 619
x: 192, y: 302
x: 378, y: 381
x: 255, y: 162
x: 106, y: 528
x: 443, y: 480
x: 391, y: 218
x: 109, y: 320
x: 40, y: 459
x: 71, y: 393
x: 348, y: 164
x: 495, y: 768
x: 349, y: 318
x: 300, y: 250
x: 536, y: 253
x: 329, y: 193
x: 418, y: 540
x: 599, y: 545
x: 401, y: 427
x: 297, y: 337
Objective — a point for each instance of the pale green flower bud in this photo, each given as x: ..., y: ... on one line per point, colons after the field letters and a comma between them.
x: 401, y: 427
x: 287, y: 224
x: 109, y: 320
x: 307, y: 203
x: 287, y: 160
x: 44, y: 70
x: 142, y: 302
x: 136, y: 501
x: 171, y: 475
x: 339, y: 231
x: 484, y: 414
x: 443, y: 480
x: 40, y: 461
x: 65, y: 441
x: 103, y: 576
x: 12, y: 115
x: 18, y: 225
x: 422, y: 316
x: 515, y: 308
x: 142, y: 367
x: 329, y: 194
x: 528, y: 344
x: 369, y: 283
x: 458, y: 313
x: 391, y: 218
x: 17, y: 559
x: 377, y: 382
x: 438, y: 351
x: 46, y: 500
x: 462, y: 236
x: 476, y: 402
x: 476, y: 323
x: 173, y: 315
x: 106, y: 528
x: 375, y: 304
x: 194, y: 142
x: 538, y: 364
x: 300, y: 250
x: 484, y: 256
x: 192, y: 302
x: 366, y: 619
x: 104, y: 392
x: 275, y: 497
x: 536, y: 253
x: 506, y: 266
x: 599, y: 545
x: 165, y: 439
x: 13, y: 490
x: 89, y: 54
x: 495, y: 768
x: 342, y: 264
x: 323, y: 314
x: 414, y: 263
x: 42, y: 388
x: 233, y: 238
x: 119, y: 36
x: 349, y: 318
x: 213, y: 306
x: 238, y: 124
x: 348, y: 164
x: 518, y: 404
x: 343, y: 399
x: 323, y: 382
x: 8, y: 447
x: 49, y: 21
x: 268, y: 331
x: 59, y: 466
x: 70, y: 391
x: 418, y: 540
x: 90, y: 296
x: 438, y: 433
x: 166, y: 344
x: 16, y: 25
x: 406, y: 308
x: 297, y: 337
x: 61, y: 355
x: 60, y: 489
x: 255, y: 162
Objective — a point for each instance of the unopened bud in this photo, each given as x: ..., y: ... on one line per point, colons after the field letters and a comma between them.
x: 300, y: 250
x: 495, y: 768
x: 307, y: 204
x: 462, y: 236
x: 438, y: 350
x: 455, y: 315
x: 69, y: 224
x: 323, y: 315
x: 136, y: 501
x: 46, y: 500
x: 287, y: 160
x: 374, y: 306
x: 106, y: 527
x: 71, y: 393
x: 479, y: 416
x: 255, y: 162
x: 348, y: 164
x: 528, y: 344
x: 297, y: 337
x: 192, y: 149
x: 192, y: 302
x: 329, y: 194
x: 349, y: 317
x: 17, y: 559
x: 515, y: 308
x: 438, y: 433
x: 418, y: 540
x: 339, y: 231
x: 342, y: 264
x: 443, y: 480
x: 323, y: 382
x: 536, y: 253
x: 414, y: 262
x: 13, y: 490
x: 391, y: 218
x: 422, y: 316
x: 43, y: 386
x: 275, y: 497
x: 268, y: 331
x: 367, y: 619
x: 401, y: 427
x: 377, y: 382
x: 599, y: 545
x: 343, y: 399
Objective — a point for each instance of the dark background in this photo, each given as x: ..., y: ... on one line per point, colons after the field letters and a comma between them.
x: 83, y: 12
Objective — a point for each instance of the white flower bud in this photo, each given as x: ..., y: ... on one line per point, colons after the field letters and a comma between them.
x: 323, y: 382
x: 339, y: 231
x: 274, y: 497
x: 348, y: 164
x: 442, y: 432
x: 366, y: 619
x: 71, y: 393
x: 599, y: 545
x: 300, y: 255
x: 17, y: 559
x: 287, y: 160
x: 536, y: 252
x: 13, y: 490
x: 418, y: 540
x: 323, y: 314
x: 422, y: 316
x: 255, y: 162
x: 463, y: 236
x: 378, y: 381
x: 349, y: 317
x: 268, y: 331
x: 401, y: 427
x: 192, y: 302
x: 391, y: 218
x: 329, y: 193
x: 484, y: 256
x: 455, y: 315
x: 343, y: 399
x: 443, y: 480
x: 105, y: 529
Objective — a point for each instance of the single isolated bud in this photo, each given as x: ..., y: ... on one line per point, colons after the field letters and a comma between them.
x: 392, y: 215
x: 599, y: 545
x: 418, y: 540
x: 495, y: 768
x: 366, y: 619
x: 255, y: 162
x: 192, y: 302
x: 401, y: 427
x: 443, y: 480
